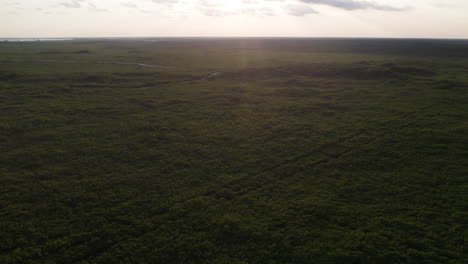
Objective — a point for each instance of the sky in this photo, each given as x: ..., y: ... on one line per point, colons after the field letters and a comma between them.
x: 231, y: 18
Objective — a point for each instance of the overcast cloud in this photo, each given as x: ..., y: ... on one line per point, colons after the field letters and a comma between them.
x: 355, y: 5
x: 391, y: 18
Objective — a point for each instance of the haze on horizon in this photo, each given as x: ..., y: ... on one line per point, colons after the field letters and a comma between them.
x: 250, y: 18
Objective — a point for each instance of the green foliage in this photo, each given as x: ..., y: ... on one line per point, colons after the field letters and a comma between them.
x: 300, y: 151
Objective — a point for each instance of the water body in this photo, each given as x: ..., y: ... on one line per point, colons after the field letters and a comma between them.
x: 33, y: 39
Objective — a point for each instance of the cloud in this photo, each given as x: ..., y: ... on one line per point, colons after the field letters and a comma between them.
x: 72, y: 4
x: 79, y: 4
x: 213, y: 12
x: 353, y: 5
x: 217, y: 8
x: 207, y: 3
x: 129, y: 4
x: 290, y: 7
x: 300, y: 10
x: 165, y: 1
x: 260, y: 11
x: 265, y: 11
x: 93, y: 8
x: 134, y: 6
x: 263, y: 8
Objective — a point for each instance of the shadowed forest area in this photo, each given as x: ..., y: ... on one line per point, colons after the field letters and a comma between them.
x: 234, y: 151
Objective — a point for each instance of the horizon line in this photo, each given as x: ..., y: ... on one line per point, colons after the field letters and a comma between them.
x: 231, y: 37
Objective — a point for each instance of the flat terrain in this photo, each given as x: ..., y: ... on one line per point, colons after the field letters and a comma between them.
x: 234, y: 151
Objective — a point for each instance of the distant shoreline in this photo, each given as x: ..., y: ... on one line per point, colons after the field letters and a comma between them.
x: 33, y: 39
x: 213, y: 37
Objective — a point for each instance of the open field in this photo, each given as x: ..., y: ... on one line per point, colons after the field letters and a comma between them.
x: 234, y: 151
